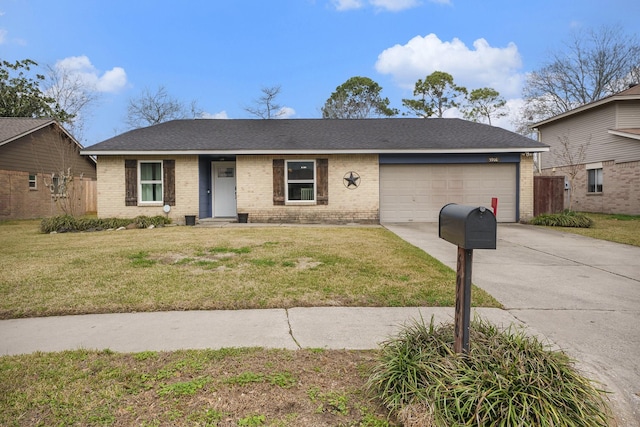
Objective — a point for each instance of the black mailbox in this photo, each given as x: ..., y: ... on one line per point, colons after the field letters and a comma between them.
x: 469, y: 227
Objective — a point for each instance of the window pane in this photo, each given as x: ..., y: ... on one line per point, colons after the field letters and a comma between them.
x: 299, y: 171
x: 225, y: 172
x: 150, y: 171
x: 301, y: 191
x: 594, y: 181
x: 151, y: 192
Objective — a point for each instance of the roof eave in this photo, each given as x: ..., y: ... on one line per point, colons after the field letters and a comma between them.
x: 89, y: 152
x: 624, y: 134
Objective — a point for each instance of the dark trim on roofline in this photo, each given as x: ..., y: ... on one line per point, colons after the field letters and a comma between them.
x: 89, y: 152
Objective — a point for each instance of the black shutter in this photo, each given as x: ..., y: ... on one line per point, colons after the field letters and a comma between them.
x: 322, y: 186
x: 131, y: 182
x: 278, y: 181
x: 169, y: 184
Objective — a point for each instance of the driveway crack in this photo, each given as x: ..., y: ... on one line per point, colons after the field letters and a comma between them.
x: 286, y: 310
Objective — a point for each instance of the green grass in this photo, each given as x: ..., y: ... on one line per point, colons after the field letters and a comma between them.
x: 188, y: 268
x: 614, y: 228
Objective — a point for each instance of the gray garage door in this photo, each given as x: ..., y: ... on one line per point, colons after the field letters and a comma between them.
x: 418, y: 192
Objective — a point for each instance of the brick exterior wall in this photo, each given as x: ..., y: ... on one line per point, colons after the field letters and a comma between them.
x: 359, y: 205
x: 111, y: 189
x: 18, y: 201
x: 526, y: 187
x: 620, y: 189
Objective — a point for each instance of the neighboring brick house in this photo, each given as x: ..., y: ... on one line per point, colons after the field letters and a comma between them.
x: 35, y: 156
x: 314, y: 170
x: 598, y: 143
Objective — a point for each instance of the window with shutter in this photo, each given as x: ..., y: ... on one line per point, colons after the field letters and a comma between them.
x: 300, y: 181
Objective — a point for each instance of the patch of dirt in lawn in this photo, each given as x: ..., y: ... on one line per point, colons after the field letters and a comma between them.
x: 175, y: 258
x: 268, y: 387
x: 304, y: 263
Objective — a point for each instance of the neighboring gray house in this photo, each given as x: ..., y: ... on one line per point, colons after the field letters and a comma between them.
x: 599, y: 144
x: 314, y: 170
x: 34, y: 153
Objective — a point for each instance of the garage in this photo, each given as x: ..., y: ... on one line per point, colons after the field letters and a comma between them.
x: 417, y: 192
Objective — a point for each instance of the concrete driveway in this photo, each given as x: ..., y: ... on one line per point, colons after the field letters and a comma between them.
x: 582, y: 294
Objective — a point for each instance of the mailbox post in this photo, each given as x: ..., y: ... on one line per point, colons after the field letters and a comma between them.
x: 470, y: 228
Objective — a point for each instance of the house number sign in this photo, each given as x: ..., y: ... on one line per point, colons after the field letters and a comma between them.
x: 351, y: 180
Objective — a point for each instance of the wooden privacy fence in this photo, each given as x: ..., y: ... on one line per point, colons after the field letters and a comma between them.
x: 91, y: 196
x: 548, y: 194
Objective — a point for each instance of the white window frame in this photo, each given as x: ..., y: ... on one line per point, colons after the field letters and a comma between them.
x: 314, y: 181
x: 141, y: 182
x: 597, y: 170
x: 33, y: 181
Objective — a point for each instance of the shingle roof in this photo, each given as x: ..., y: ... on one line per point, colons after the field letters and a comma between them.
x: 317, y: 135
x: 15, y: 127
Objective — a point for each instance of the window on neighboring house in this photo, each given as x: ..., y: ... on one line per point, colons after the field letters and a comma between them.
x: 150, y: 182
x: 33, y: 182
x: 300, y: 178
x: 594, y: 180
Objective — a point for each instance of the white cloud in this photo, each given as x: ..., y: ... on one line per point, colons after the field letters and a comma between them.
x: 480, y: 66
x: 3, y: 36
x: 112, y: 80
x: 394, y: 5
x: 389, y: 5
x: 347, y: 4
x: 286, y: 113
x: 220, y: 115
x: 80, y: 66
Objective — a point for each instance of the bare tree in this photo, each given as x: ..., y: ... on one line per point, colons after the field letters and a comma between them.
x: 593, y: 65
x: 152, y: 108
x: 265, y: 106
x: 74, y: 95
x: 573, y: 156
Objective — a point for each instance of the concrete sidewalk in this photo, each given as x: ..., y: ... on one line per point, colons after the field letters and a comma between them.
x: 319, y: 327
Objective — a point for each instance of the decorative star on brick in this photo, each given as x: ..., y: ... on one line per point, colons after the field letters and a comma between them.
x: 351, y: 180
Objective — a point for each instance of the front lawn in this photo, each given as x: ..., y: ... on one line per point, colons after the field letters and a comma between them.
x: 227, y: 387
x: 191, y: 268
x: 615, y: 228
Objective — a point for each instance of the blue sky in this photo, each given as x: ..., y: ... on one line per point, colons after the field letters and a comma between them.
x: 220, y: 53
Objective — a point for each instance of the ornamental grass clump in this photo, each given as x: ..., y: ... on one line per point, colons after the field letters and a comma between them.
x: 564, y: 219
x: 507, y: 379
